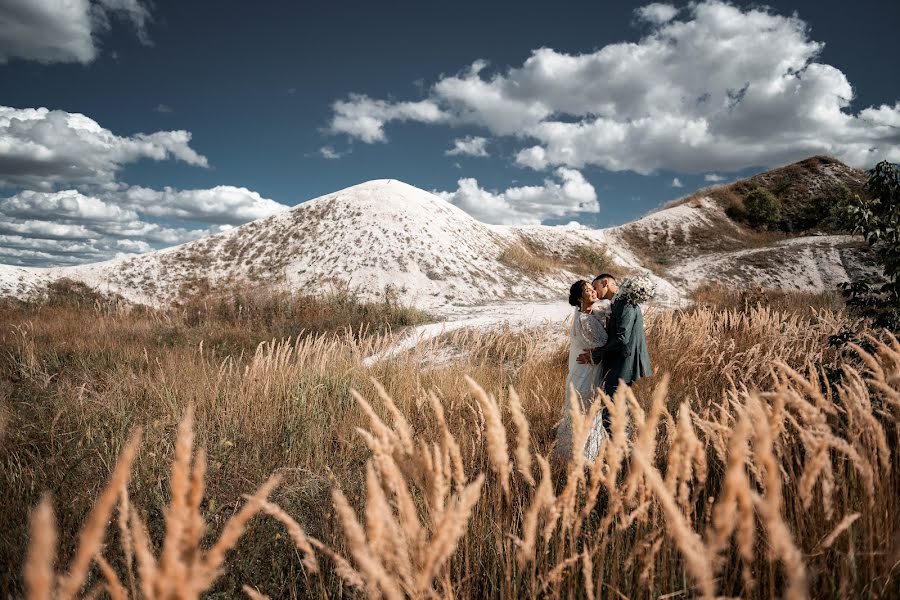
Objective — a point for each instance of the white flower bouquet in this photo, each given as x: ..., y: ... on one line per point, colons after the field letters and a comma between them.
x: 637, y: 290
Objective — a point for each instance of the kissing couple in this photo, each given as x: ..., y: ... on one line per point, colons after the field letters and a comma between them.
x: 607, y: 347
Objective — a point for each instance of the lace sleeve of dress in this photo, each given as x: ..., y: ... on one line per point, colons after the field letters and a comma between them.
x: 591, y: 330
x: 602, y: 309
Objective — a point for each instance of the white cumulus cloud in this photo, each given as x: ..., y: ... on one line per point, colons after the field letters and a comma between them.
x: 657, y: 13
x: 50, y: 31
x: 223, y: 204
x: 41, y: 149
x: 69, y: 227
x: 570, y: 194
x: 365, y: 118
x: 330, y: 153
x: 94, y: 216
x: 471, y: 145
x: 676, y: 183
x: 710, y: 87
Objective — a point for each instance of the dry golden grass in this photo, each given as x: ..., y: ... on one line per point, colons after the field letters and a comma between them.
x: 431, y: 484
x: 517, y: 256
x: 531, y: 257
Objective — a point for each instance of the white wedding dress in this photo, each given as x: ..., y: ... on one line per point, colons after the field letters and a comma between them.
x: 588, y: 331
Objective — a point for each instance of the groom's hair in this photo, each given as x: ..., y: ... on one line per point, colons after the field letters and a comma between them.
x: 603, y: 276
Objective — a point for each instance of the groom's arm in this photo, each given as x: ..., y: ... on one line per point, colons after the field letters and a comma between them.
x: 624, y: 329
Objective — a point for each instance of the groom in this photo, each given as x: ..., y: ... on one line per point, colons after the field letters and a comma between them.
x: 624, y: 357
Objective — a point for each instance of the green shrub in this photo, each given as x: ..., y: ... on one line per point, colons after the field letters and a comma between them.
x: 878, y: 219
x: 592, y: 258
x: 832, y: 209
x: 763, y: 208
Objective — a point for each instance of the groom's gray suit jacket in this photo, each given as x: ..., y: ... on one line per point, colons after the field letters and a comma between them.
x: 625, y: 354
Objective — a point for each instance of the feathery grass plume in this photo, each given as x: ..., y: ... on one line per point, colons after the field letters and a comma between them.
x: 295, y: 531
x: 438, y: 482
x: 687, y: 458
x: 695, y: 553
x: 860, y: 463
x: 233, y: 530
x: 146, y: 561
x: 448, y: 443
x: 645, y: 441
x: 342, y: 568
x: 818, y: 465
x: 495, y: 433
x: 254, y: 594
x: 815, y: 429
x: 196, y: 525
x: 523, y: 437
x: 587, y: 569
x: 382, y: 432
x: 90, y: 538
x: 595, y: 480
x: 781, y: 541
x: 580, y: 423
x: 447, y: 533
x: 734, y: 509
x: 39, y: 572
x: 886, y: 382
x: 870, y: 360
x: 378, y: 512
x: 114, y: 587
x: 556, y: 573
x: 871, y: 430
x: 401, y: 425
x: 543, y: 498
x: 809, y: 384
x: 650, y: 559
x: 840, y: 528
x: 124, y: 511
x: 619, y: 438
x: 638, y: 513
x: 370, y: 566
x: 385, y: 536
x: 406, y: 506
x: 177, y: 515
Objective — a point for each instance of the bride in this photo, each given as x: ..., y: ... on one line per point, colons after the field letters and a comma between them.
x: 588, y: 331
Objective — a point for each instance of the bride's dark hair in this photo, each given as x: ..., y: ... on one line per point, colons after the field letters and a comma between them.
x: 576, y: 291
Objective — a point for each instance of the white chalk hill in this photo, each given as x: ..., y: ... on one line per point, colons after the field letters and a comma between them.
x: 386, y: 233
x: 370, y: 236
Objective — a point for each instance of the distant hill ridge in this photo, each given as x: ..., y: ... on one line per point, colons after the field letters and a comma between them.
x: 803, y: 188
x: 706, y: 237
x: 387, y: 235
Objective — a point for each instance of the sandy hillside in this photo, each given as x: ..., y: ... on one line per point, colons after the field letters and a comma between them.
x: 385, y: 236
x: 378, y: 235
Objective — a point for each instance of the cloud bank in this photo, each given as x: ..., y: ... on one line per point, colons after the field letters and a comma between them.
x: 64, y: 31
x: 41, y: 148
x: 710, y: 87
x: 71, y: 207
x: 68, y: 227
x: 526, y: 205
x: 471, y: 145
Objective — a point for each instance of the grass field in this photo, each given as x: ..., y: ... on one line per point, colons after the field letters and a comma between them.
x: 738, y: 470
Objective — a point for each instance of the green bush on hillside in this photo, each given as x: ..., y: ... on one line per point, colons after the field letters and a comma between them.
x: 878, y: 219
x: 763, y: 208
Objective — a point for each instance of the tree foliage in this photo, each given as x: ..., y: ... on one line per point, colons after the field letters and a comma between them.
x: 878, y: 219
x: 763, y: 208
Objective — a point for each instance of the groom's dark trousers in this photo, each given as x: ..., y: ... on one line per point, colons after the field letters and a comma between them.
x: 624, y: 357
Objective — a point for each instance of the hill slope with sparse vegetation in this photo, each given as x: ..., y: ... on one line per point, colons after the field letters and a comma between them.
x: 385, y: 238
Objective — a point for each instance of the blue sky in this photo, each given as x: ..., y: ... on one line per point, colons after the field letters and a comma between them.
x: 571, y: 111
